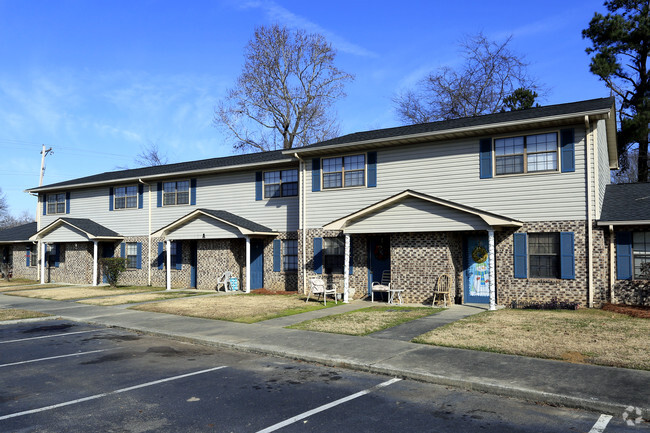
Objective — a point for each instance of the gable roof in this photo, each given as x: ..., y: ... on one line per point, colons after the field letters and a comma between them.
x: 549, y: 115
x: 92, y: 229
x: 18, y: 234
x: 626, y: 204
x: 170, y: 170
x: 245, y: 226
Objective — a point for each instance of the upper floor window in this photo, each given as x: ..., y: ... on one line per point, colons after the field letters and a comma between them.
x: 344, y: 172
x: 526, y: 154
x: 175, y: 193
x: 56, y: 203
x: 126, y: 197
x: 280, y: 183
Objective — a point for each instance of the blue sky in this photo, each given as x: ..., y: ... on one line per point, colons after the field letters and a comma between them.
x: 98, y: 80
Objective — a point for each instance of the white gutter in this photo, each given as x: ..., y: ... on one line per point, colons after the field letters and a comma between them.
x: 148, y: 232
x: 301, y: 220
x: 590, y: 270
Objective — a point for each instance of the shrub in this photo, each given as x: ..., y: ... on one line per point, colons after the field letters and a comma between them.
x: 112, y: 267
x: 553, y: 304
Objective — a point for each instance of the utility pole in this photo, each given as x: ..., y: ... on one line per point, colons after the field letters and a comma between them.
x: 44, y: 153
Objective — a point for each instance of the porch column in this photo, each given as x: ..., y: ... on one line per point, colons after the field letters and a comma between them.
x: 493, y: 275
x: 346, y: 270
x: 168, y: 264
x: 43, y: 250
x: 94, y: 263
x: 248, y: 264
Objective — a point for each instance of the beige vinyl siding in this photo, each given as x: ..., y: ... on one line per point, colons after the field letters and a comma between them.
x: 450, y: 170
x: 204, y: 227
x: 604, y: 173
x: 65, y: 233
x: 416, y: 215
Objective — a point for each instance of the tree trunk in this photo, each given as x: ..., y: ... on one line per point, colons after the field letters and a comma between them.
x: 643, y: 158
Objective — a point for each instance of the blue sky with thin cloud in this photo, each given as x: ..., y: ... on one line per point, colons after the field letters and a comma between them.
x: 99, y: 80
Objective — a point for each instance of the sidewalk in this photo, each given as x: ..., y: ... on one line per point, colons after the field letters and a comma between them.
x: 604, y: 389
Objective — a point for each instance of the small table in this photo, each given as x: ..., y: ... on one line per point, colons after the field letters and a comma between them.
x: 391, y: 296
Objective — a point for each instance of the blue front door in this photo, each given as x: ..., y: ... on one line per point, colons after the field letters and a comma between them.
x: 257, y: 264
x: 476, y: 269
x: 378, y: 259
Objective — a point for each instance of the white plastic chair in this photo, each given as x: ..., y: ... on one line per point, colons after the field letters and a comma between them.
x: 224, y: 281
x: 384, y: 286
x: 318, y: 287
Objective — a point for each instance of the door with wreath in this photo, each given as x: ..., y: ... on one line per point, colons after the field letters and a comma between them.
x: 378, y: 258
x: 476, y: 270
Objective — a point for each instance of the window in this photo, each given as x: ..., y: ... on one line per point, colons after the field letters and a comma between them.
x: 280, y: 183
x: 56, y: 203
x: 641, y: 252
x: 175, y: 193
x: 526, y: 154
x: 544, y: 252
x: 33, y: 255
x: 347, y: 171
x: 126, y: 197
x: 333, y: 255
x: 131, y: 255
x: 52, y: 255
x: 290, y: 255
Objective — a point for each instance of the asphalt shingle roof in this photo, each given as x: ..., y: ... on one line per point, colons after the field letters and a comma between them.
x: 626, y: 202
x: 237, y: 220
x: 20, y: 233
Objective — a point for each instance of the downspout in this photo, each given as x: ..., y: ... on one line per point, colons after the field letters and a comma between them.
x: 301, y: 220
x: 149, y: 233
x: 590, y: 270
x: 612, y: 298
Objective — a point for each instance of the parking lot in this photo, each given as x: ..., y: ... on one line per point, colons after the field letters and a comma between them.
x: 67, y: 376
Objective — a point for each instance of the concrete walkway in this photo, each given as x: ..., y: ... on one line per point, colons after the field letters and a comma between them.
x: 603, y: 389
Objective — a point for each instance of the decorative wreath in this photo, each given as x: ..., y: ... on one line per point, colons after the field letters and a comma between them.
x: 380, y: 252
x: 479, y: 254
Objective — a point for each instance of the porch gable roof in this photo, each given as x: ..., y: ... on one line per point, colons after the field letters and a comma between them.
x: 491, y: 219
x: 88, y: 227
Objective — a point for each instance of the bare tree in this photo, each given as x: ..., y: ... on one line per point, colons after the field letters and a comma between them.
x: 629, y: 167
x: 7, y: 220
x: 284, y: 95
x: 4, y: 207
x: 150, y: 156
x: 490, y: 73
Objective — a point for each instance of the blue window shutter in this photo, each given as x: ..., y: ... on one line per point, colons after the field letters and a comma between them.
x: 372, y: 169
x: 521, y: 255
x: 138, y: 263
x: 28, y: 254
x: 485, y: 158
x: 161, y: 255
x: 44, y: 204
x: 110, y: 198
x: 318, y: 255
x: 179, y: 255
x: 567, y: 145
x: 623, y: 255
x: 567, y: 261
x: 351, y: 271
x: 67, y: 202
x: 123, y: 250
x: 258, y: 186
x: 277, y: 257
x: 140, y: 196
x: 315, y: 174
x: 192, y: 191
x: 159, y: 197
x: 57, y: 252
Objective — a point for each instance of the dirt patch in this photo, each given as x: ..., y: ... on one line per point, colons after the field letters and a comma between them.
x: 75, y: 292
x: 134, y: 299
x: 630, y: 310
x: 585, y: 336
x: 17, y: 313
x: 271, y: 292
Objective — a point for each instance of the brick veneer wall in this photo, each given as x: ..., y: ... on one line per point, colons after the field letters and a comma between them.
x: 631, y: 292
x: 279, y: 281
x: 217, y: 256
x: 20, y: 268
x: 75, y: 264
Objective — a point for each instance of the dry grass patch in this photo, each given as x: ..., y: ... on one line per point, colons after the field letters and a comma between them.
x: 583, y: 336
x: 17, y: 313
x: 366, y: 321
x: 30, y: 286
x: 248, y: 308
x: 16, y: 282
x: 135, y: 298
x: 76, y: 292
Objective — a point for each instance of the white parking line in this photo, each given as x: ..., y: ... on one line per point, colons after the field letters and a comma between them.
x: 55, y: 357
x: 326, y: 406
x: 51, y: 336
x: 600, y: 425
x: 105, y: 394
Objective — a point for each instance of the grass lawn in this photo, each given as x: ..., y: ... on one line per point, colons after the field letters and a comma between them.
x: 16, y: 313
x: 583, y: 336
x: 135, y: 298
x: 26, y: 286
x: 82, y: 292
x: 249, y: 308
x: 16, y: 282
x: 366, y: 320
